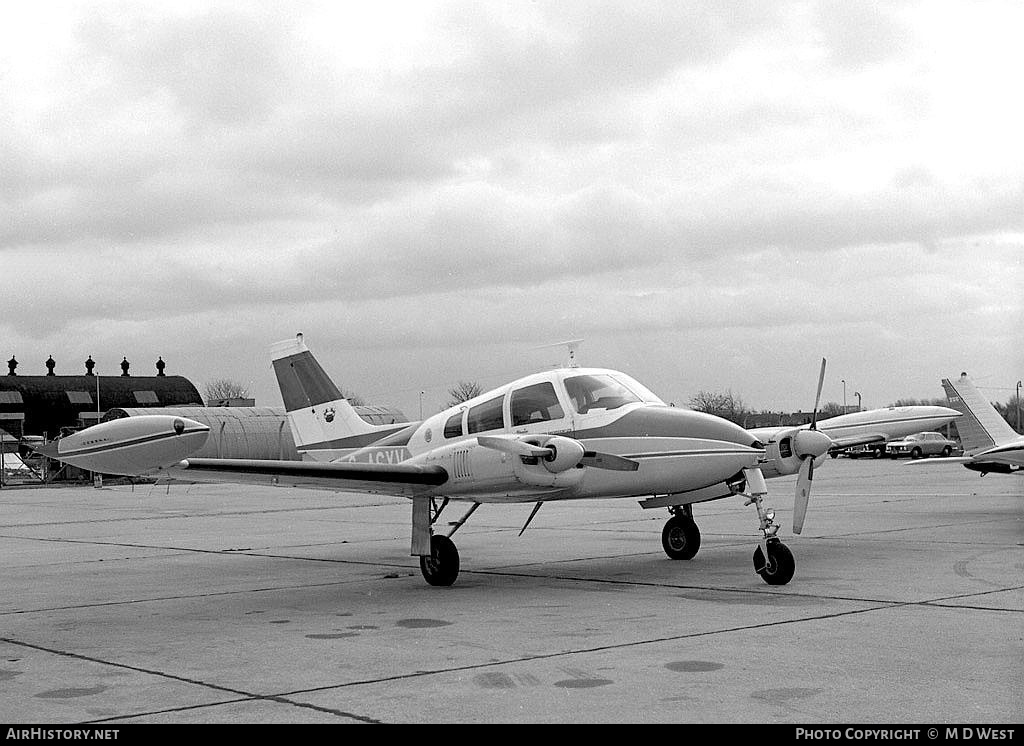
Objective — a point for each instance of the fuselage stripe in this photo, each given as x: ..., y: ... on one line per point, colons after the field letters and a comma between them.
x: 696, y: 452
x: 127, y: 443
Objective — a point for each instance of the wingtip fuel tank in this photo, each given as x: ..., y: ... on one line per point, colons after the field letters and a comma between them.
x: 130, y: 446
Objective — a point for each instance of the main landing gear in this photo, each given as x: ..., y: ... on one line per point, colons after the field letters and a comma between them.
x: 772, y: 559
x: 681, y: 537
x: 441, y: 566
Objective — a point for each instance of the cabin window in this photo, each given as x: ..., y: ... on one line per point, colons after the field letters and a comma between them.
x: 537, y: 403
x: 486, y: 416
x: 592, y: 392
x: 453, y: 427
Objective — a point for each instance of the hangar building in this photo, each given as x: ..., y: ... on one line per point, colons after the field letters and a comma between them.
x: 43, y: 404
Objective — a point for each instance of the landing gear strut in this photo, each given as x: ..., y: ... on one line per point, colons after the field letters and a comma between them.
x: 772, y: 559
x: 681, y: 538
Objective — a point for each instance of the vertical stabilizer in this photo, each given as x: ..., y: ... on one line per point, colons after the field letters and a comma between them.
x: 981, y: 427
x: 319, y: 416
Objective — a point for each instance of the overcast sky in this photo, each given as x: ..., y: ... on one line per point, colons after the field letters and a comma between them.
x: 713, y: 196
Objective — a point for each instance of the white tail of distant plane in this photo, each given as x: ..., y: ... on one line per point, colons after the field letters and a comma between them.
x: 321, y: 419
x: 981, y: 426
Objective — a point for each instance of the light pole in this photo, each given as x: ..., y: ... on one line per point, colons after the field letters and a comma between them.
x: 421, y: 405
x: 1018, y: 406
x: 844, y: 395
x: 857, y: 394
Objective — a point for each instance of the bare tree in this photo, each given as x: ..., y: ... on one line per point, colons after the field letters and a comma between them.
x: 463, y: 391
x: 224, y: 388
x: 830, y: 409
x: 726, y: 406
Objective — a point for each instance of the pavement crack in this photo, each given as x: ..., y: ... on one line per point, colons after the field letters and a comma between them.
x: 243, y: 696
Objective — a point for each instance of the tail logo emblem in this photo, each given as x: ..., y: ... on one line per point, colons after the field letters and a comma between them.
x: 329, y: 414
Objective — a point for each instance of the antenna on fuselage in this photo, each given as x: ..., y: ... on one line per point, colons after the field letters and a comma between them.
x: 571, y: 344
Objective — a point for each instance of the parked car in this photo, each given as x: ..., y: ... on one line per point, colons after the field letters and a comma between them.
x: 867, y: 450
x: 921, y: 445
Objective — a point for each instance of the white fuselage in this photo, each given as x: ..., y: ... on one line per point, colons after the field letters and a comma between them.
x: 677, y: 450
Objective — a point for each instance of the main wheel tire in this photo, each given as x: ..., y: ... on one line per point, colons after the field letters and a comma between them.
x: 442, y: 566
x: 780, y: 566
x: 680, y: 538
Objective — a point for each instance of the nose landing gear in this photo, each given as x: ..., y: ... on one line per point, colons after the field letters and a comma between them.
x: 772, y: 559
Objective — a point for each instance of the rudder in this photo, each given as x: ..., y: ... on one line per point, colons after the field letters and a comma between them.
x: 319, y: 415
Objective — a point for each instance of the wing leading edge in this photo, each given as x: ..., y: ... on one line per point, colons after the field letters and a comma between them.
x: 403, y: 480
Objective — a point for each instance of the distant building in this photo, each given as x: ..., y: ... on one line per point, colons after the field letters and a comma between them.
x: 43, y: 404
x: 778, y: 419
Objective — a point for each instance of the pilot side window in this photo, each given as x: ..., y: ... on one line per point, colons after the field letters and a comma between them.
x: 537, y: 403
x: 486, y: 416
x: 453, y: 427
x: 589, y: 392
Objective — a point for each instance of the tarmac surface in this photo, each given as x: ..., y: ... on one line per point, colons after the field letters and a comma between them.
x: 222, y: 604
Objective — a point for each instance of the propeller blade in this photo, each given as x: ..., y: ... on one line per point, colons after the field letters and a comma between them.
x: 513, y: 445
x: 609, y: 461
x: 817, y: 396
x: 803, y: 494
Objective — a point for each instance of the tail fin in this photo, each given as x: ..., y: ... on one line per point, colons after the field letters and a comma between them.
x: 320, y: 417
x: 981, y: 427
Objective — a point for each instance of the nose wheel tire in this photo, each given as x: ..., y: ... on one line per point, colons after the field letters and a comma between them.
x: 680, y: 538
x: 442, y: 566
x: 779, y: 568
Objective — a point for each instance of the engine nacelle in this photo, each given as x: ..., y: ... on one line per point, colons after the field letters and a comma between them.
x: 478, y: 470
x: 779, y: 451
x: 565, y: 453
x: 789, y: 446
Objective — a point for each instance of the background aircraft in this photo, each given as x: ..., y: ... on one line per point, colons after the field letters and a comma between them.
x: 569, y: 433
x: 787, y: 448
x: 990, y: 444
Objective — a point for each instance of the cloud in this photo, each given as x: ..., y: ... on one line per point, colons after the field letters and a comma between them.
x: 448, y: 175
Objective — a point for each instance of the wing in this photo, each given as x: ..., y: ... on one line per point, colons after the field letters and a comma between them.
x: 402, y: 480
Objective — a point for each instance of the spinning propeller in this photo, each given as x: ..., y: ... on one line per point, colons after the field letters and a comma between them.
x: 808, y: 445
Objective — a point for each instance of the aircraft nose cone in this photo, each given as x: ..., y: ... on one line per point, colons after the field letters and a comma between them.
x: 811, y: 443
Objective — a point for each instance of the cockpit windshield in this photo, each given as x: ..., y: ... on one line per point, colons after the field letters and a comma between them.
x: 591, y: 392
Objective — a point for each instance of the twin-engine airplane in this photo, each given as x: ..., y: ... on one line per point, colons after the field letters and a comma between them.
x: 990, y: 444
x: 570, y: 433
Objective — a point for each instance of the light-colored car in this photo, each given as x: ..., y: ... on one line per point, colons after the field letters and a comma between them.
x: 921, y: 445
